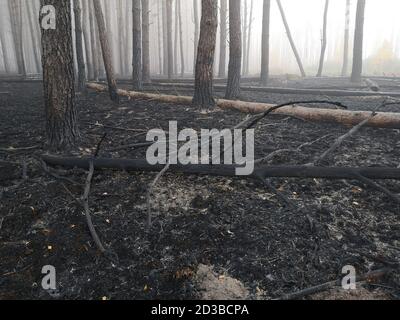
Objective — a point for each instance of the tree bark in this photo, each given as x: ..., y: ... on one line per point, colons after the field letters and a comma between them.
x: 16, y: 25
x: 58, y: 79
x: 244, y: 35
x: 196, y: 32
x: 203, y: 93
x: 235, y: 50
x: 160, y: 38
x: 105, y: 48
x: 176, y: 39
x: 169, y: 40
x: 358, y: 43
x: 247, y: 65
x: 265, y: 42
x: 324, y: 40
x: 345, y: 117
x: 86, y: 34
x: 346, y: 40
x: 79, y: 48
x: 182, y: 51
x: 223, y: 33
x: 93, y: 41
x: 33, y: 17
x: 165, y: 36
x: 137, y: 46
x: 289, y: 35
x: 229, y: 170
x: 146, y: 40
x: 121, y: 36
x: 6, y: 58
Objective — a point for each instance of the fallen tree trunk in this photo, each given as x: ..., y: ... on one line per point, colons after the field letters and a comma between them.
x: 306, y: 91
x: 229, y: 170
x: 349, y: 118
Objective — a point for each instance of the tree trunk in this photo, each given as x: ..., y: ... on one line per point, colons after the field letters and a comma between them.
x: 33, y: 17
x: 235, y: 51
x: 16, y: 25
x: 176, y: 39
x: 358, y: 43
x: 93, y: 41
x: 79, y: 47
x: 169, y: 40
x: 265, y: 42
x: 203, y: 93
x: 146, y: 40
x: 165, y: 37
x: 6, y: 58
x: 247, y: 65
x: 137, y: 46
x: 105, y: 48
x: 196, y: 32
x: 121, y: 36
x: 223, y: 33
x: 349, y: 118
x: 160, y: 38
x: 324, y: 40
x: 181, y: 38
x: 58, y: 79
x: 289, y: 34
x: 244, y: 36
x: 346, y: 40
x: 263, y: 172
x: 86, y: 34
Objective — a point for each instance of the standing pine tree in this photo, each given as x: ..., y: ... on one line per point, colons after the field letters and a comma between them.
x: 265, y: 42
x: 58, y: 78
x: 358, y: 43
x: 106, y: 50
x: 203, y: 95
x: 235, y: 50
x: 137, y: 46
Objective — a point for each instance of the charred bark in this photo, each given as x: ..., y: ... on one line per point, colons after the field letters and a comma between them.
x: 58, y: 79
x: 230, y: 170
x: 79, y: 47
x: 235, y: 50
x: 137, y: 46
x: 223, y: 34
x: 146, y: 40
x: 203, y: 95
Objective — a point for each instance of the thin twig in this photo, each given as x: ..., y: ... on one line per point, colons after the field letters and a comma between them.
x: 150, y: 190
x: 373, y: 275
x: 377, y: 186
x: 297, y: 150
x: 344, y: 137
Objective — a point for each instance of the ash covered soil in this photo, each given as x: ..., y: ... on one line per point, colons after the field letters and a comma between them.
x: 231, y: 226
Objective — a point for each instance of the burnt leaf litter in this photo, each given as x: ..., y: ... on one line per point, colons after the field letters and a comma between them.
x: 236, y: 226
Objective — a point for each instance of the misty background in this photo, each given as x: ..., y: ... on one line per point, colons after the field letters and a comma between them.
x: 381, y: 36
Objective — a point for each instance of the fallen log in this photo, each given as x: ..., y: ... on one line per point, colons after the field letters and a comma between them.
x: 262, y: 172
x: 349, y: 118
x: 303, y: 91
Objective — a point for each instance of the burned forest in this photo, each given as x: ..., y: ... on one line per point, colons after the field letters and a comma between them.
x: 224, y: 150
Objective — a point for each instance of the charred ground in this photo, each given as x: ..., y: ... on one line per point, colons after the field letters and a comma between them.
x: 235, y: 225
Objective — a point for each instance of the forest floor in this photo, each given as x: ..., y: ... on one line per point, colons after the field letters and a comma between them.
x: 205, y: 228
